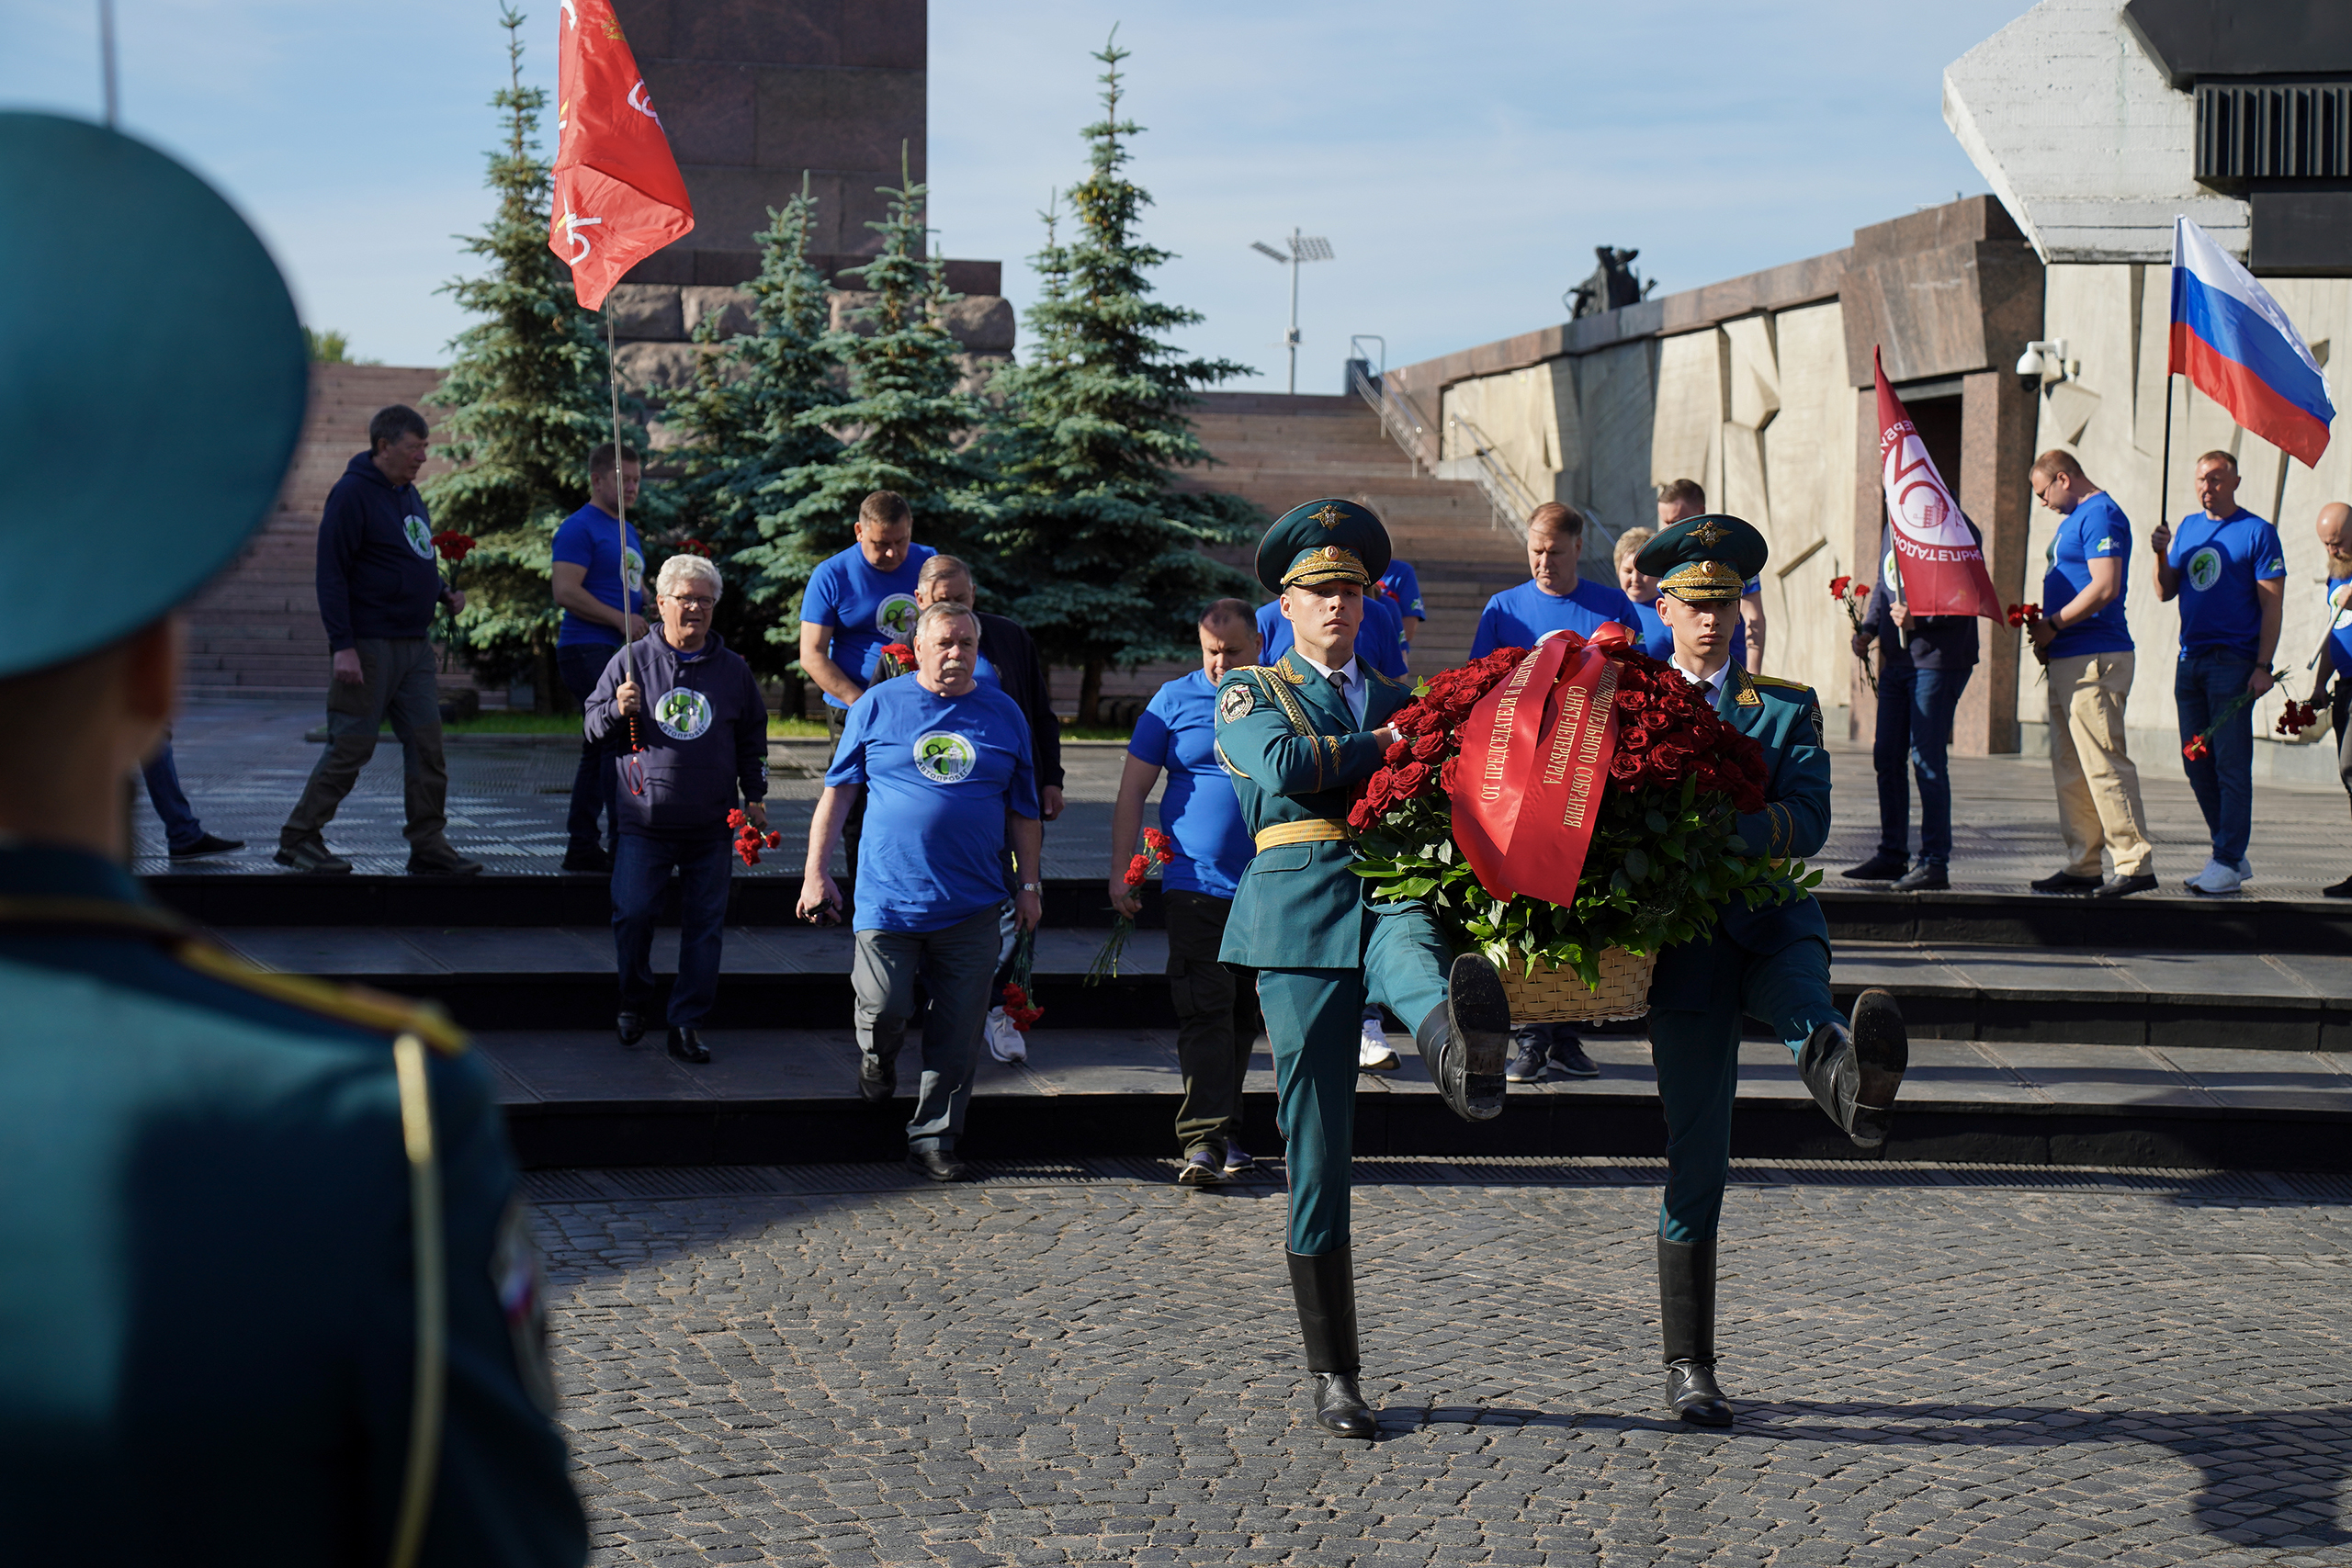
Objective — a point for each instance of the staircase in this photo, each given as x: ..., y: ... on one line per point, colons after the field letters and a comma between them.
x: 254, y: 631
x: 1279, y: 451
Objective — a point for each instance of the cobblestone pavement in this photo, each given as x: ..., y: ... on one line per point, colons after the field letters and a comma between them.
x: 1107, y: 1372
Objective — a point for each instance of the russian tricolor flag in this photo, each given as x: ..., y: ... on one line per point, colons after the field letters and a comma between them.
x: 2234, y: 344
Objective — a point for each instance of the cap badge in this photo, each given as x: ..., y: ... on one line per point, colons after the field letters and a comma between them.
x: 1329, y: 515
x: 1708, y: 532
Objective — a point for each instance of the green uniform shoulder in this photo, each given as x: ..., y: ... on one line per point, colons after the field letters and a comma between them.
x: 1402, y: 682
x: 1782, y: 684
x: 357, y: 1007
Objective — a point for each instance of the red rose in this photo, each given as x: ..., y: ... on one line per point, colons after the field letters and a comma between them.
x: 1449, y: 773
x: 1360, y: 816
x: 1625, y: 766
x: 1632, y: 698
x: 1397, y: 752
x: 1428, y: 747
x: 1673, y: 758
x: 1633, y: 738
x: 1655, y: 719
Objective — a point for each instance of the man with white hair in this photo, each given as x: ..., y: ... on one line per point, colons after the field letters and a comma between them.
x: 692, y: 729
x: 948, y: 758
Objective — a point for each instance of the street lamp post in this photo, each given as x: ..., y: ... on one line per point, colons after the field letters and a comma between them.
x: 1303, y: 248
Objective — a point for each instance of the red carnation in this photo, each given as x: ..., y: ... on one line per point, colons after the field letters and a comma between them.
x: 452, y: 545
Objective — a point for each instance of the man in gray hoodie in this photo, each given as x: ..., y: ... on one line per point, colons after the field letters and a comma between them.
x: 687, y: 717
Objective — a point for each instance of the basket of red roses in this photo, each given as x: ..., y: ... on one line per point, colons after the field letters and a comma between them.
x: 1626, y: 787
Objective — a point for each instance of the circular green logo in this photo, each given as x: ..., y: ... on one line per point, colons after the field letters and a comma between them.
x: 2205, y: 568
x: 945, y: 757
x: 420, y: 534
x: 633, y: 570
x: 682, y: 714
x: 896, y: 618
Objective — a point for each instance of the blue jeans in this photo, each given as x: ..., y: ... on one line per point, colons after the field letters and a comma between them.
x: 1914, y: 710
x: 2206, y: 681
x: 595, y: 784
x: 181, y: 830
x: 640, y: 874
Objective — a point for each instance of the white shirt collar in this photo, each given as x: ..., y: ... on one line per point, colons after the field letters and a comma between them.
x: 1347, y: 672
x: 1714, y: 682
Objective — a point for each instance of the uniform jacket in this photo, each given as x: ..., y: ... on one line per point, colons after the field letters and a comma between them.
x: 378, y: 574
x: 1784, y: 716
x: 705, y: 728
x: 1295, y: 753
x: 207, y: 1236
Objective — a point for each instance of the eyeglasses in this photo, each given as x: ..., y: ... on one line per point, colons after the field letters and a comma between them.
x: 690, y: 600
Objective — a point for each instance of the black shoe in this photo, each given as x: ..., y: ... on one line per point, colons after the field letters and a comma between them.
x: 1567, y: 1054
x: 1692, y: 1394
x: 2340, y: 890
x: 443, y: 862
x: 210, y: 844
x: 1855, y: 1072
x: 1878, y: 868
x: 629, y: 1026
x: 588, y: 858
x: 1340, y: 1408
x: 1323, y: 1287
x: 2123, y: 886
x: 1466, y: 1039
x: 877, y: 1081
x: 687, y: 1046
x: 2065, y: 882
x: 937, y: 1164
x: 1686, y: 1303
x: 312, y: 855
x: 1924, y: 877
x: 1530, y: 1049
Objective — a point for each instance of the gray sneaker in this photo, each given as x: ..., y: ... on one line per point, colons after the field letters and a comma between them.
x: 312, y: 855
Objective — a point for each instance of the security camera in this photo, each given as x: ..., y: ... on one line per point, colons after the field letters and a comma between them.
x: 2043, y: 361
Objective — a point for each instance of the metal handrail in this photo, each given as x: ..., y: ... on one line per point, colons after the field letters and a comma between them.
x: 1398, y: 420
x: 1507, y: 495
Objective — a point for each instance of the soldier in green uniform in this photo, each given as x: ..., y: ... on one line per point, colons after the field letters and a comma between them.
x: 1296, y: 735
x: 266, y: 1296
x: 1769, y: 963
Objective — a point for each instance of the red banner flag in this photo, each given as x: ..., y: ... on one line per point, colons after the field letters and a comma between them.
x: 1535, y: 754
x: 618, y: 195
x: 1938, y: 559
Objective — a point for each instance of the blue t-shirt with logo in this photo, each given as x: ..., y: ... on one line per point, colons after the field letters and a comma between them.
x: 940, y: 773
x: 2339, y: 629
x: 1380, y: 635
x: 1657, y: 638
x: 1198, y: 808
x: 1522, y: 616
x: 2220, y: 562
x: 1403, y: 587
x: 591, y: 538
x: 865, y: 610
x: 2095, y: 530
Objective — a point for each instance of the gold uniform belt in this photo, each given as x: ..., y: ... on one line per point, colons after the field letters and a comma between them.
x: 1320, y: 831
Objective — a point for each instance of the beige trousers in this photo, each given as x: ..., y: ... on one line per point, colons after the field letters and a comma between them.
x: 2098, y: 789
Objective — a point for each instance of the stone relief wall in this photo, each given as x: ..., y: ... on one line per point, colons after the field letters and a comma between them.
x: 2110, y: 414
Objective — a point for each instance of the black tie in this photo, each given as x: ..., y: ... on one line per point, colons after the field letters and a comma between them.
x: 1340, y: 690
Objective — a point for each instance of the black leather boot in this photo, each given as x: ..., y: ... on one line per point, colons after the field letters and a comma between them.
x: 1685, y: 1303
x: 1465, y: 1041
x: 1325, y: 1288
x: 1854, y: 1073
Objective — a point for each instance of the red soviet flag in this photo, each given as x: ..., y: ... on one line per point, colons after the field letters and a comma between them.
x: 1938, y: 560
x: 618, y: 196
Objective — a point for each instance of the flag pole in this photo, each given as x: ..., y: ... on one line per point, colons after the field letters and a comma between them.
x: 620, y: 503
x: 2164, y: 475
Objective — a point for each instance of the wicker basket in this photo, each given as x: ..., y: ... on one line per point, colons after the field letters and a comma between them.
x: 1559, y: 996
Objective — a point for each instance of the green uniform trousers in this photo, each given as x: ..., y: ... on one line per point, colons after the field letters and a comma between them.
x: 1314, y: 1019
x: 1697, y: 1054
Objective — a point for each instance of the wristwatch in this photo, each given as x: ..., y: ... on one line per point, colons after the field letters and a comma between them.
x: 1033, y: 887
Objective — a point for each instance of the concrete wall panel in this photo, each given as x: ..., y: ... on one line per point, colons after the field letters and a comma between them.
x: 1691, y: 408
x: 1616, y: 398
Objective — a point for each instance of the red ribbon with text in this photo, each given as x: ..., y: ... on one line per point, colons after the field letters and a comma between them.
x: 1535, y: 754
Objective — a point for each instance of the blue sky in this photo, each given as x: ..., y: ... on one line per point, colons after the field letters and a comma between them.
x: 1463, y: 161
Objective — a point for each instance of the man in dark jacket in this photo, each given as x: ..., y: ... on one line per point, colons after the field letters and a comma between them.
x: 1923, y: 663
x: 378, y: 586
x: 699, y: 728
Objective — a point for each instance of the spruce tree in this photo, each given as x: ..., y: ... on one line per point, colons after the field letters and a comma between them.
x: 754, y: 419
x: 908, y: 418
x: 1113, y: 556
x: 525, y: 397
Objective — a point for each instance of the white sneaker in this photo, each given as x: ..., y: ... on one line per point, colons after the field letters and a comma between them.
x: 1372, y: 1053
x: 2215, y: 879
x: 2245, y: 869
x: 1006, y: 1044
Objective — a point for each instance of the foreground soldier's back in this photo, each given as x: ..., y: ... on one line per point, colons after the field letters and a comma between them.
x: 265, y: 1296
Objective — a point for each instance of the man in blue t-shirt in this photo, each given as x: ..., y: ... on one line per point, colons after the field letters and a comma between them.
x: 1380, y: 635
x: 858, y: 603
x: 1217, y: 1019
x: 2086, y: 649
x: 945, y: 756
x: 1401, y: 585
x: 2228, y: 570
x: 591, y: 568
x: 1554, y: 598
x: 2335, y: 527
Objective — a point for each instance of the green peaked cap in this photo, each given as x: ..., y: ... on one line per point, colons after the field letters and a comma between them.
x: 1326, y: 540
x: 1704, y: 558
x: 154, y: 384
